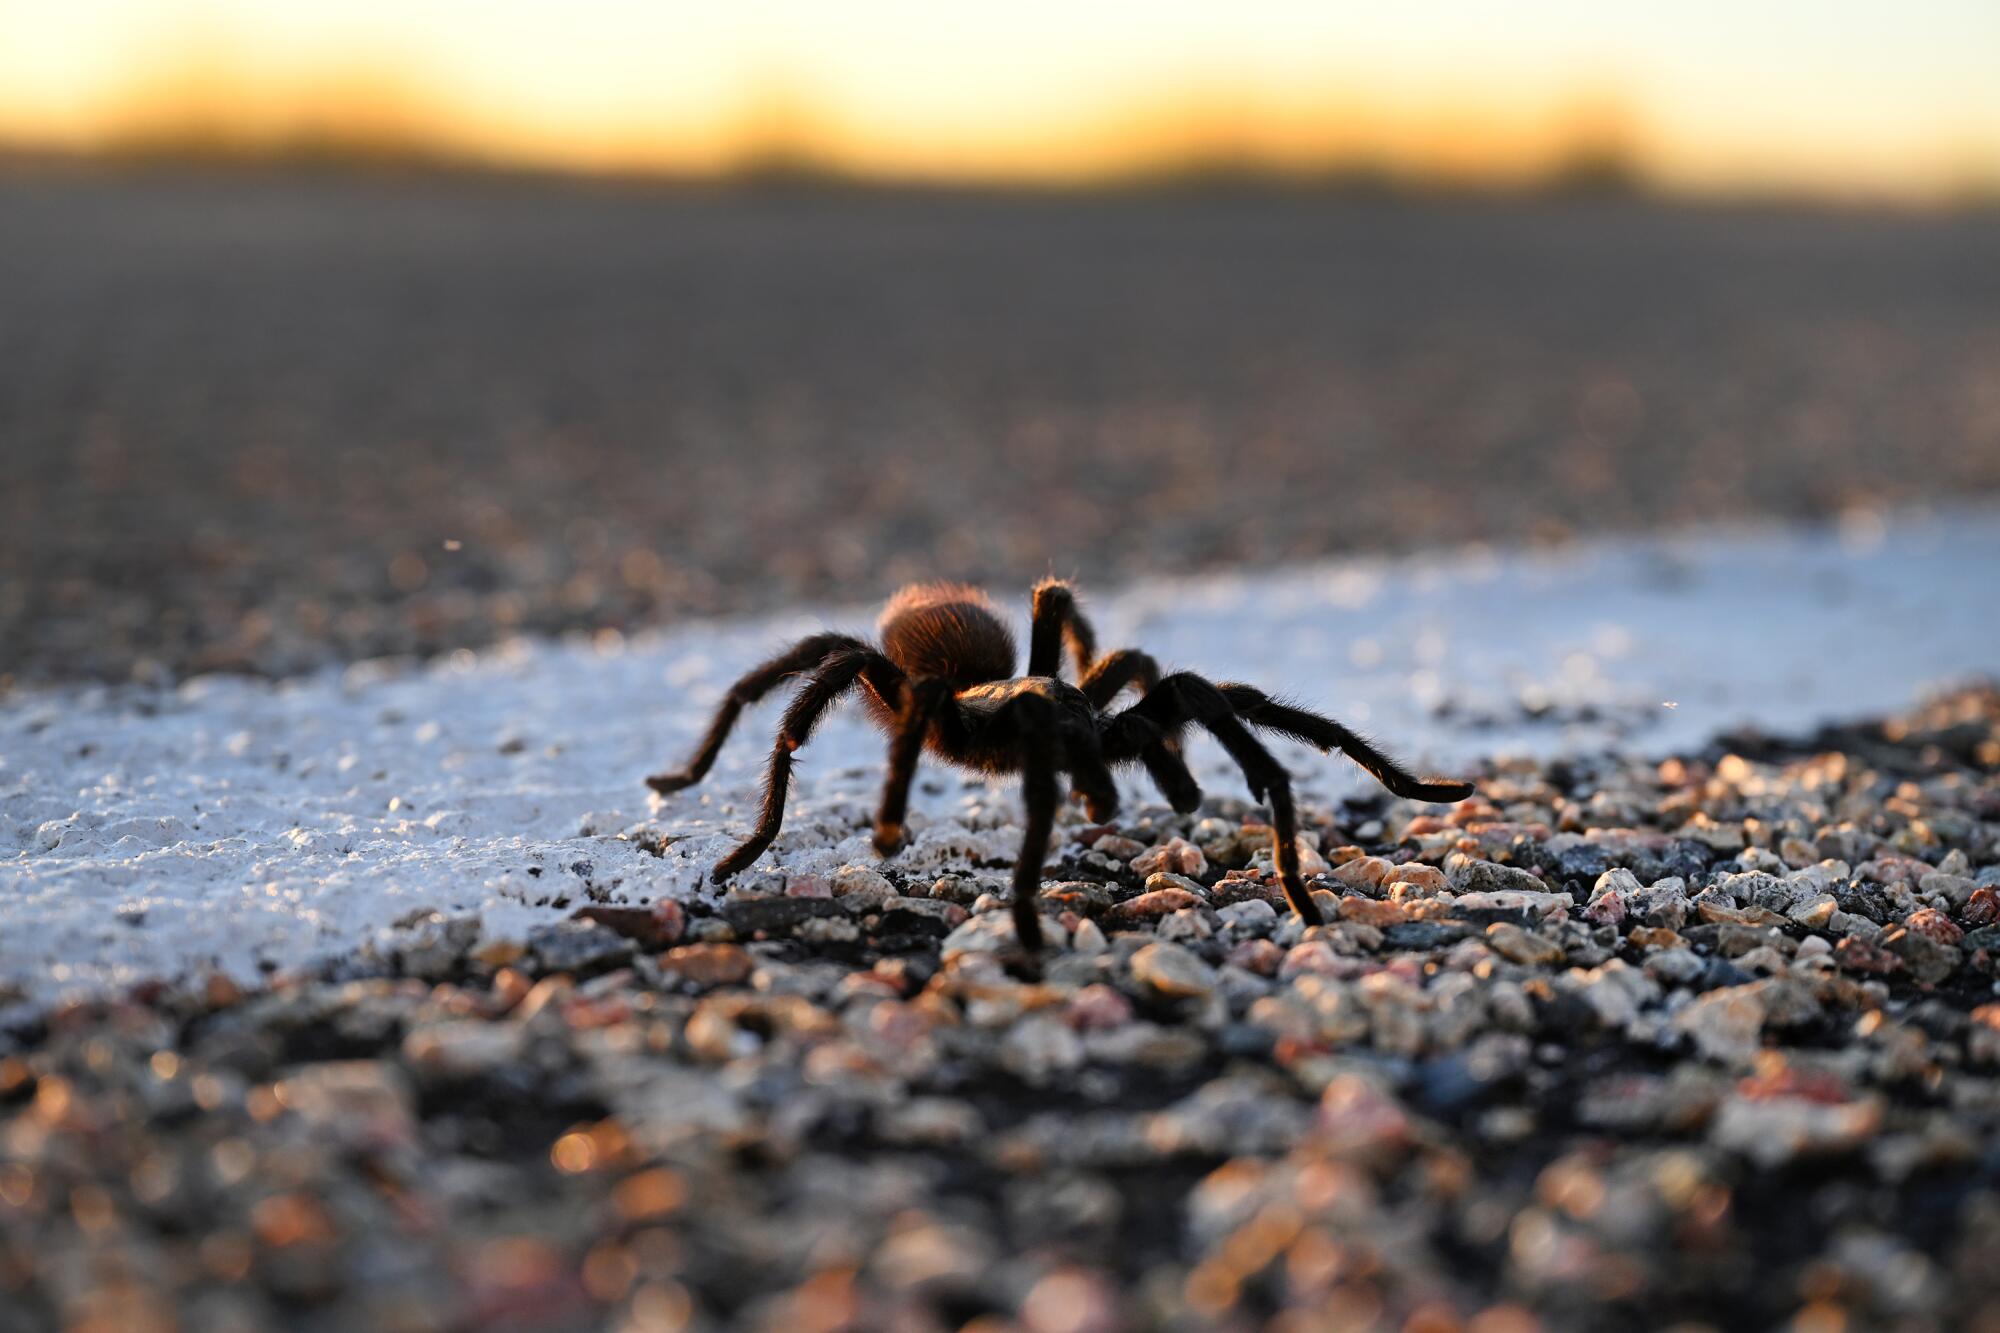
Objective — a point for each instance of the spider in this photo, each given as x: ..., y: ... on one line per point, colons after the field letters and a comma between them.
x: 943, y: 679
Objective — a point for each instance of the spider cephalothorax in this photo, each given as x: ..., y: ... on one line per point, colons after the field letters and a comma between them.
x: 943, y: 680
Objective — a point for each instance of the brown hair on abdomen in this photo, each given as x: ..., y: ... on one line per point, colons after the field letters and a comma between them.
x: 949, y: 630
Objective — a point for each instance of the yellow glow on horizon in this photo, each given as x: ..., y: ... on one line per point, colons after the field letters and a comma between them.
x: 1843, y: 98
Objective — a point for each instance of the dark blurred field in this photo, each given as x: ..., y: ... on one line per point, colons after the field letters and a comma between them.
x: 242, y: 416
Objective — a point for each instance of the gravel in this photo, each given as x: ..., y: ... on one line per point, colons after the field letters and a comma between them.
x: 1663, y: 1087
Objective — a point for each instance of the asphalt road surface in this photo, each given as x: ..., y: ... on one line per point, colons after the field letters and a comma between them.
x: 263, y: 422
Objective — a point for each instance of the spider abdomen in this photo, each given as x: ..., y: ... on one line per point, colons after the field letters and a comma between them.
x: 947, y: 630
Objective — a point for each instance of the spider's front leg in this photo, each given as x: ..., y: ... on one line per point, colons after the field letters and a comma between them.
x: 1059, y: 620
x: 1035, y: 720
x: 1047, y: 739
x: 1028, y: 730
x: 1056, y: 621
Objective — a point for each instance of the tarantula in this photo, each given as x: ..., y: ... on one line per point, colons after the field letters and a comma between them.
x: 943, y: 680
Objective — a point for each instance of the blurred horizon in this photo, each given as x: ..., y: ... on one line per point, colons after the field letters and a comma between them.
x: 1835, y: 102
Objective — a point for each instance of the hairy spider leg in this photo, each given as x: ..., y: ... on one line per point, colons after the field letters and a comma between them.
x: 1083, y: 755
x: 1056, y: 621
x: 921, y: 704
x: 1044, y: 739
x: 759, y: 681
x: 834, y: 677
x: 1034, y: 726
x: 1184, y: 697
x: 1326, y: 735
x: 1116, y: 670
x: 1058, y: 618
x: 1161, y: 755
x: 1128, y: 735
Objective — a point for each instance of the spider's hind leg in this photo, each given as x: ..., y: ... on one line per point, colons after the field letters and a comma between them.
x: 759, y: 681
x: 1326, y: 735
x: 834, y: 678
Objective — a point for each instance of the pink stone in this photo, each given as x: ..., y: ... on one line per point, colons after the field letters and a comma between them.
x: 1259, y: 956
x: 1097, y: 1007
x: 1606, y: 910
x: 1177, y: 856
x: 1855, y: 954
x: 1355, y: 1117
x: 670, y: 920
x: 1929, y: 921
x: 1425, y: 877
x: 1363, y: 872
x: 1152, y: 906
x: 1372, y: 913
x: 1318, y: 957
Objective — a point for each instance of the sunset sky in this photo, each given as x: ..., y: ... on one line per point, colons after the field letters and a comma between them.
x: 1847, y: 98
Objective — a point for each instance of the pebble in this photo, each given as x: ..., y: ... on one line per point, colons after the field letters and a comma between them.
x: 1426, y: 880
x: 1677, y: 966
x: 1424, y: 935
x: 1172, y: 971
x: 1088, y: 938
x: 1772, y: 1132
x: 1176, y: 855
x: 579, y: 946
x: 1259, y: 957
x: 1251, y: 917
x: 1724, y: 1024
x: 1514, y: 900
x: 1926, y: 959
x: 461, y: 1049
x: 1186, y: 926
x: 1039, y: 1049
x: 1520, y: 946
x: 861, y: 887
x: 1363, y: 872
x: 647, y: 927
x: 1470, y: 876
x: 705, y: 966
x: 1155, y: 904
x: 750, y: 917
x: 1097, y: 1007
